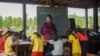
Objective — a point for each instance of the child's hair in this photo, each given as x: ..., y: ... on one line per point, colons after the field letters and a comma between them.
x: 15, y: 34
x: 37, y: 34
x: 55, y: 37
x: 10, y: 33
x: 77, y: 30
x: 7, y: 34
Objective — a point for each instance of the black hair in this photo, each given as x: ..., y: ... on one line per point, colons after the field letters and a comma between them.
x: 37, y: 34
x: 55, y: 37
x: 49, y: 17
x: 15, y: 34
x: 8, y: 33
x: 77, y: 30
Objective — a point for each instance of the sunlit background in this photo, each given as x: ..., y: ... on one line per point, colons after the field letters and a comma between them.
x: 11, y: 16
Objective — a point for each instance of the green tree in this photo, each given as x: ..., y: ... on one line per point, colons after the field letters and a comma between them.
x: 90, y: 20
x: 8, y: 21
x: 35, y: 21
x: 30, y: 21
x: 14, y: 22
x: 1, y: 21
x: 19, y: 21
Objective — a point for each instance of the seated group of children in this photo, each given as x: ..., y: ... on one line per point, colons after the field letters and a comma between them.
x: 41, y: 46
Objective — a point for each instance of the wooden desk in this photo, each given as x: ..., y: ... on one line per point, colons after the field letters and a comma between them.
x: 23, y: 49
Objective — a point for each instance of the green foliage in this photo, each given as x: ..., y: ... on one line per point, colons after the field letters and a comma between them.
x: 30, y: 21
x: 90, y: 22
x: 81, y: 21
x: 35, y: 21
x: 7, y: 21
x: 99, y: 21
x: 16, y: 22
x: 1, y: 21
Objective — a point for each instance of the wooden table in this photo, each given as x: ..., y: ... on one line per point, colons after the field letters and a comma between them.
x: 23, y: 49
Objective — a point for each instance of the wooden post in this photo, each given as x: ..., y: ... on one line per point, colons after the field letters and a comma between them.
x: 86, y: 17
x: 24, y: 17
x: 95, y: 15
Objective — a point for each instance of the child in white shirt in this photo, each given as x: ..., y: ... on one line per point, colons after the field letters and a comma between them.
x: 58, y: 43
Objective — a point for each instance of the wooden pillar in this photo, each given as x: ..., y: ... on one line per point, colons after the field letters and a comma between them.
x: 86, y: 17
x: 95, y: 15
x: 24, y: 17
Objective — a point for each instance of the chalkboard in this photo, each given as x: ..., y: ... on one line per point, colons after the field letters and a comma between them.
x: 59, y: 18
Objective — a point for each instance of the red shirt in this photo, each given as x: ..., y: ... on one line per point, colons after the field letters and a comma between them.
x: 82, y: 37
x: 2, y: 41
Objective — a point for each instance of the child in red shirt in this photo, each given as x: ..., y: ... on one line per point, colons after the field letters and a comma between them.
x: 2, y: 41
x: 83, y: 41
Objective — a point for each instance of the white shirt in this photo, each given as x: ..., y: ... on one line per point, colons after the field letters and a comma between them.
x: 58, y: 46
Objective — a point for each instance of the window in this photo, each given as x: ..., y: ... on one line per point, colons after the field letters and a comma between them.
x: 90, y: 18
x: 79, y: 15
x: 11, y: 16
x: 31, y: 11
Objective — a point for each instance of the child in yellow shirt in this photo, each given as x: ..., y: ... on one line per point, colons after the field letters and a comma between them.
x: 76, y: 48
x: 10, y: 41
x: 38, y: 43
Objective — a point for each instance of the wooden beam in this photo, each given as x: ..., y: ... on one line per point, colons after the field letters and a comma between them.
x: 66, y: 2
x: 59, y: 1
x: 84, y: 3
x: 41, y: 1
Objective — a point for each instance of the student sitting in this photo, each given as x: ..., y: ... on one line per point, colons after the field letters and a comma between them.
x: 10, y: 41
x: 2, y: 40
x: 58, y: 45
x: 38, y: 43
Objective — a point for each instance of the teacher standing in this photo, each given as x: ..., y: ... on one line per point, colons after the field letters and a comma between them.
x: 49, y: 28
